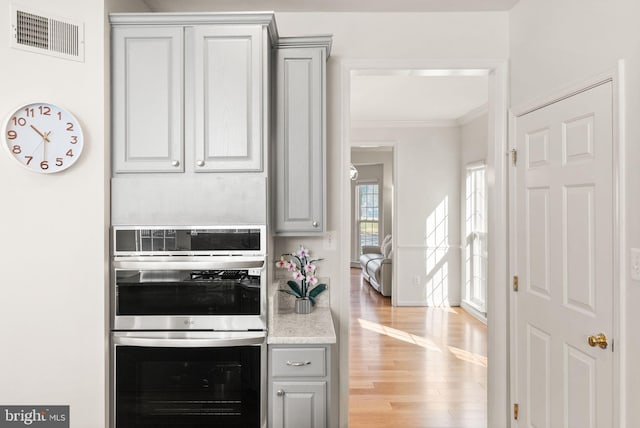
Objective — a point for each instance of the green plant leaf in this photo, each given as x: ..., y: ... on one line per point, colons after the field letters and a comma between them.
x: 313, y: 301
x: 289, y: 292
x: 296, y: 289
x: 317, y: 290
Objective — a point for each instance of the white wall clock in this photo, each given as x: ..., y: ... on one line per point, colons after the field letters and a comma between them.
x: 43, y: 137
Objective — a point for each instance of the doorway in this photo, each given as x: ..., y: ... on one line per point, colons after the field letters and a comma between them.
x: 496, y: 186
x: 372, y: 197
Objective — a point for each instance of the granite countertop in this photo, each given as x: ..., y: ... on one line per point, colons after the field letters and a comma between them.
x: 286, y: 327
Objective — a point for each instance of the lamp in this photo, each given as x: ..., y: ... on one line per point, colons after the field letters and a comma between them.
x: 353, y: 172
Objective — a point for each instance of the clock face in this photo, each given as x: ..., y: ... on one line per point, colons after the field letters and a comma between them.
x: 43, y: 137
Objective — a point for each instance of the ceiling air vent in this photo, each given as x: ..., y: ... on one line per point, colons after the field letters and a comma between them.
x: 57, y: 37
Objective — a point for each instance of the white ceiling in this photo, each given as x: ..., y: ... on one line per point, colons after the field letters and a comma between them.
x: 330, y: 5
x: 415, y: 97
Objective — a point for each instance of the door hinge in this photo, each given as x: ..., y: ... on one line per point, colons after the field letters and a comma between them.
x: 516, y: 410
x: 515, y: 283
x: 514, y: 157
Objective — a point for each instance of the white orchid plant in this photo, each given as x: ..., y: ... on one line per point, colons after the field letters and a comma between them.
x: 303, y: 269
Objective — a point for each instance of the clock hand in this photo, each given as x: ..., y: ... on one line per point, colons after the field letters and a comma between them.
x: 45, y: 137
x: 44, y: 149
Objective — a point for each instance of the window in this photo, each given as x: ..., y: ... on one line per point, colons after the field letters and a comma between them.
x: 368, y: 214
x: 476, y: 237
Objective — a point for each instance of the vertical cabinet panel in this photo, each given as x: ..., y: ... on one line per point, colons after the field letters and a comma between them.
x: 227, y: 75
x: 147, y: 99
x: 300, y: 141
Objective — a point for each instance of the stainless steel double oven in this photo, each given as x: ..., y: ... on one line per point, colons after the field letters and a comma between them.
x: 189, y: 327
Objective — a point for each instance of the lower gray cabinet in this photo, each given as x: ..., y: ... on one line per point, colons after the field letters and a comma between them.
x: 299, y: 382
x: 299, y: 404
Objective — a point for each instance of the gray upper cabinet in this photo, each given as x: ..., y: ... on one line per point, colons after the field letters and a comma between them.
x: 300, y: 163
x: 148, y: 99
x: 190, y: 91
x: 228, y: 98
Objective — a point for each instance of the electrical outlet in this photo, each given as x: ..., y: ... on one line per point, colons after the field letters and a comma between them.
x: 634, y: 262
x: 416, y: 280
x: 329, y: 241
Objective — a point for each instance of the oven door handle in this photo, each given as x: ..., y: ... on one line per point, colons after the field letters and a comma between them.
x: 189, y: 342
x: 188, y: 263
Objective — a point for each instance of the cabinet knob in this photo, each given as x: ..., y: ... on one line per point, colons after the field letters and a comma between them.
x: 175, y: 163
x: 280, y: 393
x: 200, y: 163
x: 314, y: 224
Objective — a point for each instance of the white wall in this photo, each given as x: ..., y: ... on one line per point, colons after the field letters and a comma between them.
x: 473, y: 141
x: 427, y: 192
x: 54, y: 249
x: 556, y: 43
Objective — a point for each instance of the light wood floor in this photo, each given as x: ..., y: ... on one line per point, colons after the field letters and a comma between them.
x: 414, y: 367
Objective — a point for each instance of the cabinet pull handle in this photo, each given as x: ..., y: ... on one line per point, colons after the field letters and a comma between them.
x: 314, y: 224
x: 298, y: 363
x: 200, y: 163
x: 175, y: 163
x: 280, y: 393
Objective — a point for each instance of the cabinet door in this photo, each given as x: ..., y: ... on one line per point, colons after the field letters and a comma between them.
x: 300, y: 139
x: 147, y: 99
x: 227, y: 72
x: 299, y: 405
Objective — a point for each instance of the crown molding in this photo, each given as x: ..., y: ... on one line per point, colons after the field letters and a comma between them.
x: 266, y: 19
x: 319, y: 41
x: 473, y: 114
x: 444, y: 123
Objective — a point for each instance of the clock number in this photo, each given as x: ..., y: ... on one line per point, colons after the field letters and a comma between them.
x: 16, y: 149
x: 20, y: 121
x: 29, y: 159
x: 45, y: 110
x: 59, y: 115
x: 44, y: 165
x: 74, y: 139
x: 30, y: 111
x: 69, y: 126
x: 58, y: 161
x: 12, y: 135
x: 69, y: 153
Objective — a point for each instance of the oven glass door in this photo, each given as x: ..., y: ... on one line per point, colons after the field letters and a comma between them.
x: 187, y: 387
x: 187, y: 292
x: 189, y: 241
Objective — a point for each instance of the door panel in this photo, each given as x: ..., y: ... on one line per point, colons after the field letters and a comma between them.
x: 564, y: 212
x: 537, y: 217
x: 579, y: 281
x: 227, y: 72
x: 147, y: 99
x: 580, y: 392
x: 538, y: 376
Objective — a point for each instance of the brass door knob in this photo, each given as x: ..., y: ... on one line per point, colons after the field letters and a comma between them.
x: 598, y: 340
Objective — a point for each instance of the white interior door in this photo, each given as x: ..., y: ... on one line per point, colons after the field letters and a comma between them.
x: 564, y: 215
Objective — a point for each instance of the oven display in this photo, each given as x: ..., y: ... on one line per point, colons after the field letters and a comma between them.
x: 187, y: 387
x: 188, y: 241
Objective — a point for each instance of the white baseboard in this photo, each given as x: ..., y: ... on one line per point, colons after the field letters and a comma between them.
x: 471, y: 310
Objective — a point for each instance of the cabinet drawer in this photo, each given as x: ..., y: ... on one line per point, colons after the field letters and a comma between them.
x: 298, y: 362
